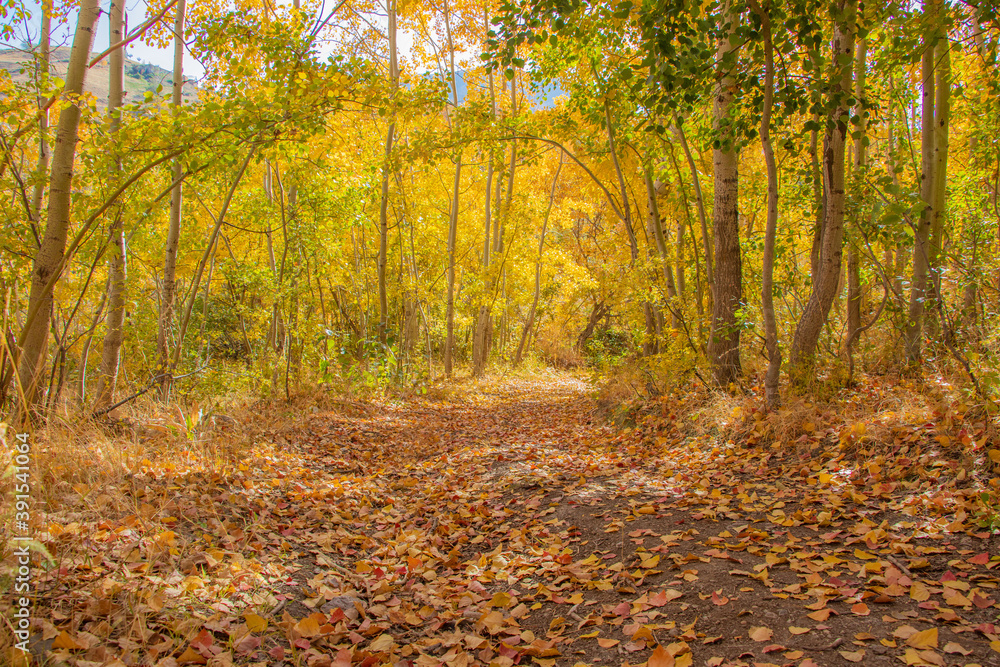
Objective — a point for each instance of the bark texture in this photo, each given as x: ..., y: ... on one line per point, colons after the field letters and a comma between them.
x: 724, y: 340
x: 49, y: 259
x: 827, y: 285
x: 107, y: 377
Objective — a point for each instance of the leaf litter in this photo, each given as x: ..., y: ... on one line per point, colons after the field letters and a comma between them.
x: 509, y: 525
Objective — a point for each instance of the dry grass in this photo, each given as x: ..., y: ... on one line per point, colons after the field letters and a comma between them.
x: 876, y: 411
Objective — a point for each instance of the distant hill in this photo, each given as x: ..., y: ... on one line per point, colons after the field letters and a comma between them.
x: 139, y: 77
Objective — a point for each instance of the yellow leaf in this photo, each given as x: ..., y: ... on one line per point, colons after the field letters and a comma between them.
x: 606, y: 642
x: 685, y: 660
x: 307, y: 627
x: 919, y: 592
x: 924, y: 639
x: 383, y: 643
x: 995, y: 455
x: 255, y: 623
x: 863, y: 555
x: 650, y: 562
x: 798, y: 631
x: 825, y: 478
x: 590, y: 635
x: 853, y: 656
x: 500, y: 599
x: 761, y: 634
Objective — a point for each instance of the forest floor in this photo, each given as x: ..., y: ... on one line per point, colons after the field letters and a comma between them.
x: 505, y: 523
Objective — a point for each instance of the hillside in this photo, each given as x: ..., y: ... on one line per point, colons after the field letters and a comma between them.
x: 139, y: 77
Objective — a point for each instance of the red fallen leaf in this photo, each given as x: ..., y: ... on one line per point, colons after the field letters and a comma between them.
x: 948, y: 576
x: 278, y: 653
x: 337, y: 615
x: 860, y: 609
x: 772, y: 648
x: 622, y: 609
x: 986, y: 628
x: 342, y: 659
x: 981, y: 602
x: 979, y: 559
x: 247, y: 644
x: 203, y: 640
x: 718, y: 600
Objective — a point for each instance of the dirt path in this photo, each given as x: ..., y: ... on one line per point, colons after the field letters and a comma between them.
x: 507, y: 525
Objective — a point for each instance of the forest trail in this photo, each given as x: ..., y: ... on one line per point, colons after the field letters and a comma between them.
x: 504, y: 523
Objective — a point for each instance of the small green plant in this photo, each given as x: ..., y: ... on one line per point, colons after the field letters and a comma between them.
x: 988, y: 514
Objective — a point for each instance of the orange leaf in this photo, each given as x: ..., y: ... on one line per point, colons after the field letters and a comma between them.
x: 660, y: 658
x: 67, y: 642
x: 190, y: 655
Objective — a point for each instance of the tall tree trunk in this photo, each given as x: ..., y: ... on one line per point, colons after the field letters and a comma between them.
x: 484, y: 320
x: 111, y: 351
x: 504, y: 218
x: 530, y: 321
x: 169, y: 295
x: 449, y: 346
x: 772, y: 376
x: 854, y: 296
x: 34, y: 336
x: 383, y: 214
x: 819, y: 204
x: 724, y: 340
x: 655, y: 229
x: 626, y: 209
x: 942, y: 118
x: 825, y: 290
x: 41, y: 170
x: 921, y: 246
x: 700, y: 205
